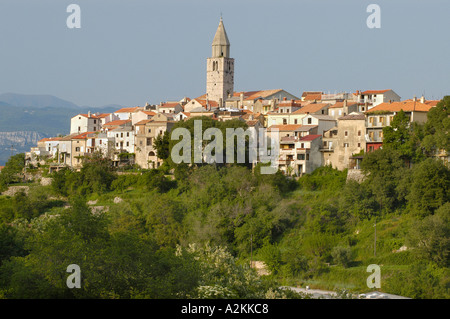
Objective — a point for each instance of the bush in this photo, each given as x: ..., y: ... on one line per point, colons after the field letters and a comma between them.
x: 342, y: 255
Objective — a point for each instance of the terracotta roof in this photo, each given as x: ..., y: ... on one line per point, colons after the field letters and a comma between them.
x: 374, y: 92
x: 102, y: 115
x: 353, y: 116
x: 286, y: 127
x: 297, y: 103
x: 169, y: 105
x: 149, y: 113
x: 82, y: 136
x: 427, y: 102
x: 128, y: 109
x: 305, y: 128
x: 49, y: 139
x: 143, y: 122
x: 305, y: 93
x: 310, y: 137
x: 313, y: 96
x: 210, y: 102
x: 311, y: 108
x: 341, y: 104
x: 261, y: 94
x: 405, y: 106
x: 117, y: 123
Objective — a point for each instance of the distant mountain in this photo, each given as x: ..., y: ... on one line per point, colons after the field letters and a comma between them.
x: 36, y: 101
x: 24, y: 119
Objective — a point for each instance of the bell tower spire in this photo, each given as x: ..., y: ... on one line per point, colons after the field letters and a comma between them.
x: 220, y: 68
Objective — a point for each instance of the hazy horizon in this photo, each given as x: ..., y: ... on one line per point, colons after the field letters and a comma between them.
x: 134, y: 52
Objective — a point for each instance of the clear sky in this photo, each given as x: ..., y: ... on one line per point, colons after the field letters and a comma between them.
x: 135, y: 51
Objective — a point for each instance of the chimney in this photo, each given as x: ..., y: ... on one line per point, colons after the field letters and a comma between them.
x: 242, y: 99
x: 415, y: 98
x: 89, y: 114
x: 157, y: 108
x: 422, y: 99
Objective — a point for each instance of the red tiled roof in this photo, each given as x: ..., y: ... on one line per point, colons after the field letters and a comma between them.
x: 305, y: 93
x: 116, y: 123
x: 149, y: 113
x: 374, y: 92
x: 397, y: 106
x: 82, y: 136
x: 341, y: 104
x: 143, y: 122
x: 128, y: 109
x: 313, y: 96
x: 311, y: 108
x: 285, y: 127
x: 48, y: 139
x: 169, y: 105
x: 310, y: 137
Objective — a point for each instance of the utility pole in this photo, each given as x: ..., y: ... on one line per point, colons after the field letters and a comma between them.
x: 251, y: 250
x: 375, y: 241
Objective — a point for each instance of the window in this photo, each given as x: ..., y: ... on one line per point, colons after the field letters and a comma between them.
x: 284, y: 121
x: 128, y: 143
x: 371, y: 135
x: 79, y: 128
x: 121, y: 134
x: 149, y: 130
x: 95, y: 129
x: 301, y: 157
x: 100, y: 142
x: 359, y: 133
x: 381, y: 120
x: 302, y: 145
x: 307, y: 157
x: 128, y: 134
x: 380, y: 134
x: 345, y: 144
x: 359, y: 144
x: 149, y: 141
x: 77, y: 149
x: 340, y: 112
x: 332, y: 112
x: 346, y: 133
x: 295, y: 121
x: 309, y: 120
x: 117, y: 135
x: 140, y: 143
x: 95, y: 121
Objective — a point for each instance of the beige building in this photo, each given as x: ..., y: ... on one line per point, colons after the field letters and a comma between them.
x: 382, y: 115
x: 146, y: 133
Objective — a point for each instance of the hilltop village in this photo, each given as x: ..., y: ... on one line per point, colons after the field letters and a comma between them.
x: 315, y: 128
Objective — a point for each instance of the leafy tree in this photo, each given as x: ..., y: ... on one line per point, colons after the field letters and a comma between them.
x: 430, y: 186
x: 342, y: 255
x: 437, y: 127
x: 430, y: 237
x: 162, y: 145
x: 400, y: 136
x: 13, y: 167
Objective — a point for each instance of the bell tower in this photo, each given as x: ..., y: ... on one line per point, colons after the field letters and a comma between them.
x: 220, y: 68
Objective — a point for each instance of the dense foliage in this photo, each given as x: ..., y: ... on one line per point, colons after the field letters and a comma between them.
x: 191, y: 231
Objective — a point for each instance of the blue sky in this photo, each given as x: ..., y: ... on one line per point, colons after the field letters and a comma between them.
x: 135, y: 51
